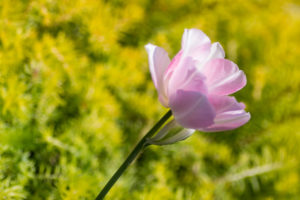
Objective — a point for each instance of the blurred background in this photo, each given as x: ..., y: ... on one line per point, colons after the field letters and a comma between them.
x: 76, y: 96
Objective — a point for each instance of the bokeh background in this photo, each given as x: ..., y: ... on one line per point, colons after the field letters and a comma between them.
x: 76, y: 96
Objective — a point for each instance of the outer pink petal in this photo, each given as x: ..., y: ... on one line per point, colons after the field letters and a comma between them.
x: 229, y: 114
x: 173, y: 64
x: 158, y: 63
x: 192, y: 109
x: 223, y: 77
x: 193, y: 38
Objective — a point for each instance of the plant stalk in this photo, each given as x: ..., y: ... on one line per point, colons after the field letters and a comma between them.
x: 138, y: 148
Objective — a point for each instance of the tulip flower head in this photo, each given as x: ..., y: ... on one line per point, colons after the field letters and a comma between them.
x: 196, y: 83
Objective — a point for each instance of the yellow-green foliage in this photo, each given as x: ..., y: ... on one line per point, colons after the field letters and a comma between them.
x: 76, y: 95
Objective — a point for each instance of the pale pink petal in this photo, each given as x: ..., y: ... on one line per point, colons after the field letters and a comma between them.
x: 216, y: 51
x: 195, y: 82
x: 192, y: 109
x: 179, y: 62
x: 193, y: 38
x: 223, y: 77
x: 201, y: 53
x: 158, y: 63
x: 173, y: 64
x: 230, y: 114
x: 186, y: 77
x: 225, y: 103
x: 178, y: 76
x: 207, y: 52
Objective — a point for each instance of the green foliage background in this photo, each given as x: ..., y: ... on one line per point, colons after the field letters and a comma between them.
x: 76, y: 96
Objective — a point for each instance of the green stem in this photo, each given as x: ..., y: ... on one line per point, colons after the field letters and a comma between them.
x: 132, y: 155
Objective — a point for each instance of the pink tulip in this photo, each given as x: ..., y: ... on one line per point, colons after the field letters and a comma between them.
x: 196, y: 83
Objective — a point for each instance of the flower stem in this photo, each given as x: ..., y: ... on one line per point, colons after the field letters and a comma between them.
x: 138, y: 148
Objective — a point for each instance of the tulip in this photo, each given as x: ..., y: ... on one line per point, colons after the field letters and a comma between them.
x: 196, y: 83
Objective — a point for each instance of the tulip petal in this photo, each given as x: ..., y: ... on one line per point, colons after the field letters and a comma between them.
x: 230, y: 114
x: 223, y: 77
x: 173, y: 64
x: 186, y: 77
x: 196, y: 82
x: 207, y: 52
x: 158, y: 63
x: 192, y: 109
x: 193, y: 38
x: 216, y: 51
x: 201, y: 53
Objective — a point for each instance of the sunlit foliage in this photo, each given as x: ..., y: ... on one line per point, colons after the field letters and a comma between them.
x: 76, y: 95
